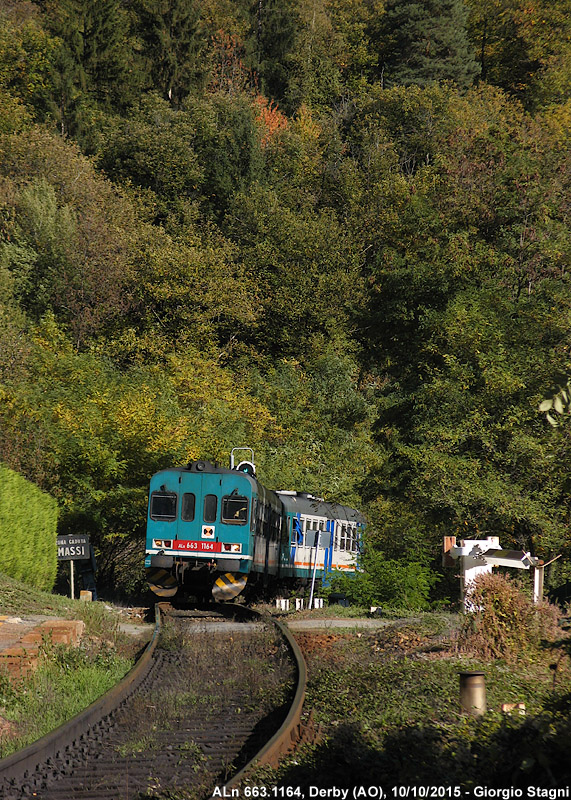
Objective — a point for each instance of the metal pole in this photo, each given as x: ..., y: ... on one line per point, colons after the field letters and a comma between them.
x: 314, y: 570
x: 71, y: 579
x: 473, y: 693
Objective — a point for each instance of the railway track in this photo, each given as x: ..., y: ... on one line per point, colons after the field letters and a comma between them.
x: 212, y: 694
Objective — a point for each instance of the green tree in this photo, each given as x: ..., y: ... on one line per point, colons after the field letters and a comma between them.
x: 26, y: 63
x: 173, y: 46
x: 427, y: 42
x: 56, y: 241
x: 273, y: 29
x: 467, y: 299
x: 305, y: 268
x: 154, y: 150
x: 315, y: 62
x: 523, y: 47
x: 93, y: 66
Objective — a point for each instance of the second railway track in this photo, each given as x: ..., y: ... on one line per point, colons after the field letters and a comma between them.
x: 217, y: 692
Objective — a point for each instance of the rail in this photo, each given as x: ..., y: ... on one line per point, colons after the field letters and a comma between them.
x: 291, y: 731
x: 16, y: 765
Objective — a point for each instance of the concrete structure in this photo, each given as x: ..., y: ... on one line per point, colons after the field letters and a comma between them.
x: 479, y: 556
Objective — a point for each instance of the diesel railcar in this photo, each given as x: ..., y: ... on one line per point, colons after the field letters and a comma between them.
x: 212, y: 531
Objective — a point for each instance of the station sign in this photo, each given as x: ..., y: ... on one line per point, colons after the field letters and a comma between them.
x: 73, y: 548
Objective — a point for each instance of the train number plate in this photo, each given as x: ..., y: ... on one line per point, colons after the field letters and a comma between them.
x: 197, y: 547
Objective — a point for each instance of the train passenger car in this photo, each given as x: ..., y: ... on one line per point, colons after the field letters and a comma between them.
x: 322, y: 536
x: 211, y: 530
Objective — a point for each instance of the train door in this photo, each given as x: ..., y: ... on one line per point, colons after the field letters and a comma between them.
x: 189, y: 522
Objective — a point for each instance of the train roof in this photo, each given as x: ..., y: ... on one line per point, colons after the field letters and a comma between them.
x: 305, y: 503
x: 207, y: 467
x: 294, y: 502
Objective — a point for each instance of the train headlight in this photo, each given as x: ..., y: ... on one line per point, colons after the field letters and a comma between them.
x: 231, y: 548
x: 162, y: 543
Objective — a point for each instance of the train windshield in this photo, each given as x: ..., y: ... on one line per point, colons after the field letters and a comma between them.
x: 235, y: 509
x: 163, y: 506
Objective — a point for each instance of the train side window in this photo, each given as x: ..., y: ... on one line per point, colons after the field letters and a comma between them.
x: 355, y: 540
x: 235, y: 510
x: 188, y: 507
x: 336, y: 537
x: 163, y: 506
x: 278, y: 526
x: 210, y: 507
x: 343, y: 537
x: 296, y: 526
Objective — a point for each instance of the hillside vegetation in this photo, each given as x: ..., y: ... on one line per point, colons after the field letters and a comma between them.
x: 336, y: 232
x: 28, y: 522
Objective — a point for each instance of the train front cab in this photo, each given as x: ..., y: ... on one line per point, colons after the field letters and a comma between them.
x: 199, y: 531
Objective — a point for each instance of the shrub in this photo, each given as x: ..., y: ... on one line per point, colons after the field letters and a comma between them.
x: 28, y: 519
x: 399, y: 584
x: 504, y: 622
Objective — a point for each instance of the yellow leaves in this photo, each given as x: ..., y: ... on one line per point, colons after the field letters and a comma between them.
x: 309, y: 129
x: 557, y: 119
x: 213, y: 397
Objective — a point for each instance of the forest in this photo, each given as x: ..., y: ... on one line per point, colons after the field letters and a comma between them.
x: 335, y: 231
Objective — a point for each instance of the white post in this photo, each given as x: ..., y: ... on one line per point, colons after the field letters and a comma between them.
x: 71, y: 576
x: 314, y: 570
x: 538, y: 574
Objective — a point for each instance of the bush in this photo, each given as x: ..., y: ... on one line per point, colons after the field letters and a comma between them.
x: 399, y: 584
x: 28, y: 519
x: 504, y: 622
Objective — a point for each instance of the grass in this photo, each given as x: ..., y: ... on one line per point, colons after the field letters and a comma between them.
x: 18, y: 599
x: 388, y: 705
x: 67, y: 679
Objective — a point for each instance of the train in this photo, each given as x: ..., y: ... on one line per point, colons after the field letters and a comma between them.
x: 215, y: 532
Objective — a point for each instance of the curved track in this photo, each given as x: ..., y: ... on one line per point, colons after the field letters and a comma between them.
x: 199, y: 706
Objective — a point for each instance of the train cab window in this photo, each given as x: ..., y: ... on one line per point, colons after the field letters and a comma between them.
x: 163, y: 506
x: 235, y: 510
x: 188, y: 506
x: 210, y: 507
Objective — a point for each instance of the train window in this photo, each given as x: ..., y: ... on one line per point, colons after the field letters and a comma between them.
x: 343, y: 537
x: 297, y: 531
x: 210, y: 507
x: 235, y: 510
x: 188, y: 504
x: 254, y: 514
x: 321, y: 524
x: 163, y: 506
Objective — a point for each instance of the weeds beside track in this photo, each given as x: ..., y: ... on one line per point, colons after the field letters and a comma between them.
x: 211, y: 699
